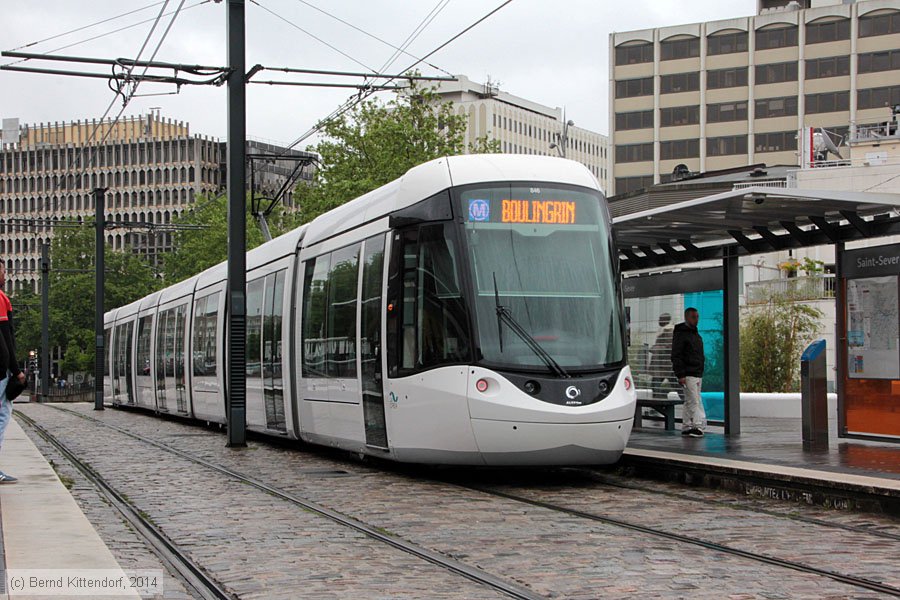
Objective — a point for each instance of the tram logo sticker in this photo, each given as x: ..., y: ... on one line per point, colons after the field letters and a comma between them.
x: 479, y: 210
x: 572, y: 393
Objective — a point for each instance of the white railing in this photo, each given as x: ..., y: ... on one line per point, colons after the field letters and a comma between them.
x: 766, y: 183
x: 793, y: 289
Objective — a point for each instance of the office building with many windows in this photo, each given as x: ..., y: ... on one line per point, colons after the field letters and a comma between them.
x: 152, y: 168
x: 710, y: 96
x: 524, y: 127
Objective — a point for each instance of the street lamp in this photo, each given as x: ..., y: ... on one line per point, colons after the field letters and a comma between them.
x: 562, y: 139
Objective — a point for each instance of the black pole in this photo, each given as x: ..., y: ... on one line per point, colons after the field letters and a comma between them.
x: 732, y: 343
x: 236, y: 290
x: 840, y: 338
x: 45, y: 319
x: 99, y: 279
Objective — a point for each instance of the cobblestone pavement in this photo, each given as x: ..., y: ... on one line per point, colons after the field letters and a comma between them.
x: 556, y: 555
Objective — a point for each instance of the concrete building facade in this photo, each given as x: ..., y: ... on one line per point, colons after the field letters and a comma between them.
x: 734, y: 92
x: 525, y: 127
x: 153, y: 169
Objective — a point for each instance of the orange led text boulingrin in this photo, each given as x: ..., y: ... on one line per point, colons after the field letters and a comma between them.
x: 549, y: 212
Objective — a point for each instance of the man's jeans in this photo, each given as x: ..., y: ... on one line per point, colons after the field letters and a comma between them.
x: 5, y: 407
x: 693, y: 415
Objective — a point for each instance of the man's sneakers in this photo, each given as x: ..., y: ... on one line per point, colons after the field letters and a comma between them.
x: 692, y: 432
x: 4, y: 478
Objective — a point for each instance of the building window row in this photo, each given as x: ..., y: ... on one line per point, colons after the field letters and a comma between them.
x: 726, y: 111
x: 631, y: 184
x: 634, y: 54
x: 679, y: 82
x: 830, y: 31
x: 884, y: 24
x: 776, y: 72
x: 726, y: 78
x: 630, y: 88
x: 673, y: 149
x: 874, y: 62
x: 634, y: 152
x: 832, y: 66
x: 641, y: 119
x: 777, y: 141
x: 726, y: 145
x: 878, y: 97
x: 780, y: 37
x: 679, y: 115
x: 132, y: 178
x: 827, y: 102
x: 767, y: 108
x: 726, y: 43
x: 108, y: 156
x: 675, y: 49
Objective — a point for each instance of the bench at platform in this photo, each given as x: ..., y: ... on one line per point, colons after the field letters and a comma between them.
x: 665, y: 407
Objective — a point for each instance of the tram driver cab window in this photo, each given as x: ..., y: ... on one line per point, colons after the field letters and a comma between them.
x: 427, y: 319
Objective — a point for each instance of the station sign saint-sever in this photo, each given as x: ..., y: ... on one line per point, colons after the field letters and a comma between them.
x: 871, y: 262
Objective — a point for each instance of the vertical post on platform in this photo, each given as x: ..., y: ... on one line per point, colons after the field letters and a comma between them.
x: 99, y: 284
x: 732, y: 344
x: 236, y: 288
x: 840, y: 338
x: 45, y: 319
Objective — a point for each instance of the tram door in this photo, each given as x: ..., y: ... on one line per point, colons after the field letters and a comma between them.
x: 371, y: 312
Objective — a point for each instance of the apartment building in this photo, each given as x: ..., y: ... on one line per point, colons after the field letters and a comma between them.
x: 525, y: 127
x: 716, y: 95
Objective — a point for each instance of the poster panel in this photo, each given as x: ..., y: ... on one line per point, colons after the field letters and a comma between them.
x: 873, y: 328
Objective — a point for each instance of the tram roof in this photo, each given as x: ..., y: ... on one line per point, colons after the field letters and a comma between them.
x: 752, y: 220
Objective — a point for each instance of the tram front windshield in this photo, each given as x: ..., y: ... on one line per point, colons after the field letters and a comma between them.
x: 542, y: 255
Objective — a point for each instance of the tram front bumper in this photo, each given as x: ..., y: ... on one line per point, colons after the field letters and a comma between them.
x: 534, y: 444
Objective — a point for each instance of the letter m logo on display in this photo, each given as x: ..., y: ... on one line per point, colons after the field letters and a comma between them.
x: 479, y: 210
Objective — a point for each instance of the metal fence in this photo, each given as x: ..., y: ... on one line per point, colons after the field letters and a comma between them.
x: 792, y: 289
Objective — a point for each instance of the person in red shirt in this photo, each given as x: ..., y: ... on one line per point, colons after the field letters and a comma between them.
x: 9, y: 366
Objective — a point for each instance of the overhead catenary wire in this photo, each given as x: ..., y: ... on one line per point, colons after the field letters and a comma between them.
x: 80, y: 157
x: 113, y: 32
x: 368, y: 33
x: 354, y: 100
x: 83, y: 27
x: 313, y: 36
x: 423, y: 25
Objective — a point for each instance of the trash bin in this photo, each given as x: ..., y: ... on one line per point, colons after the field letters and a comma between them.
x: 814, y: 396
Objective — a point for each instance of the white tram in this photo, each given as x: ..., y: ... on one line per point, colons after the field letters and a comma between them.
x: 466, y: 313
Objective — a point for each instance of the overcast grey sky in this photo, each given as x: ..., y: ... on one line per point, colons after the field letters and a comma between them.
x: 550, y: 51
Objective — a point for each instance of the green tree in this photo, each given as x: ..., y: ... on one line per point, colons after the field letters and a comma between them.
x: 377, y: 142
x: 128, y: 277
x: 196, y: 250
x: 773, y: 336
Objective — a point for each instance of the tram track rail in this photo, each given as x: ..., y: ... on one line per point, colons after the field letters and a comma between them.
x: 204, y: 585
x: 851, y: 580
x: 602, y: 480
x: 475, y: 574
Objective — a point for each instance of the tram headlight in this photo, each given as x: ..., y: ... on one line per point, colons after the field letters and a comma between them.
x: 532, y: 387
x: 481, y: 385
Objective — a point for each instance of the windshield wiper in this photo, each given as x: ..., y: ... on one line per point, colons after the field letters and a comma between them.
x: 505, y: 316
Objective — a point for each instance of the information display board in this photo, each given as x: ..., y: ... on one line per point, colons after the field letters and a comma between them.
x: 873, y: 328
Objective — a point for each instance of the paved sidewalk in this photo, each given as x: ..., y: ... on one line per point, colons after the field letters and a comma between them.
x: 43, y: 527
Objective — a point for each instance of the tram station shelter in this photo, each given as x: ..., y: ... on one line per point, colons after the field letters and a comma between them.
x: 758, y: 219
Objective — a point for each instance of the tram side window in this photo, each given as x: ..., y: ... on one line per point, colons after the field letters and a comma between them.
x: 343, y: 281
x: 205, y: 324
x: 428, y: 324
x: 254, y: 326
x: 107, y: 335
x: 143, y: 349
x: 314, y: 298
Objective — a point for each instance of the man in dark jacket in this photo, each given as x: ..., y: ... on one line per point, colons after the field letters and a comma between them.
x: 687, y: 362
